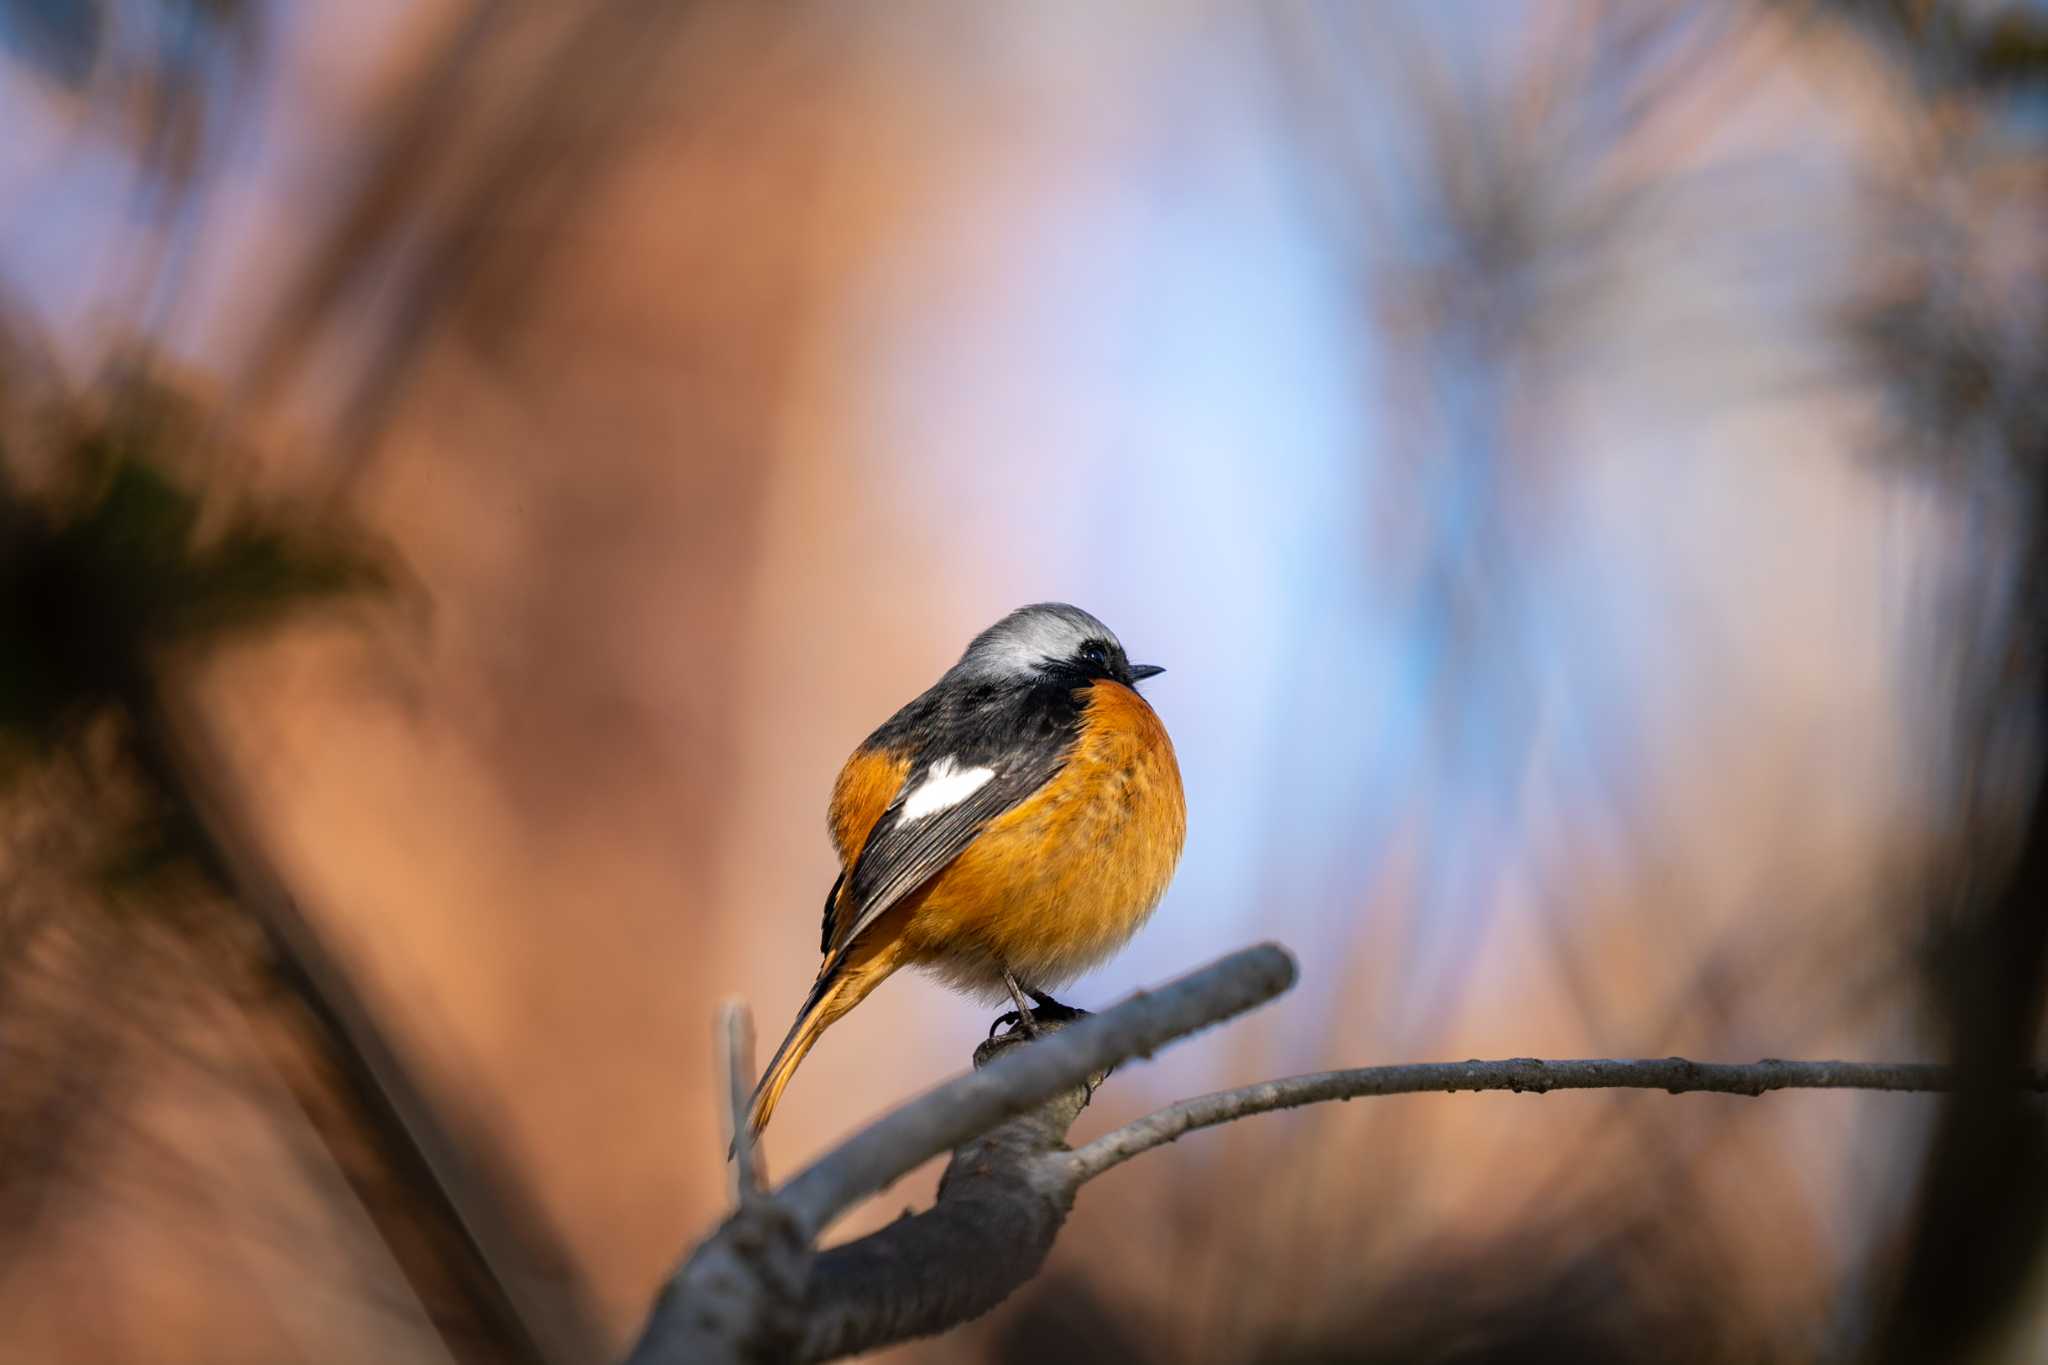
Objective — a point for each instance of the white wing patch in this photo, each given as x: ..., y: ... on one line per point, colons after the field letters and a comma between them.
x: 945, y: 786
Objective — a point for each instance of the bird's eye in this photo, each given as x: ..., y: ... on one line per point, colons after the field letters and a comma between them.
x: 1095, y: 654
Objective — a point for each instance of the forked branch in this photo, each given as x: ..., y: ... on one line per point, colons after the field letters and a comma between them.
x: 757, y: 1290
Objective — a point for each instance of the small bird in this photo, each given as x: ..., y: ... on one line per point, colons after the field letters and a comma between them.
x: 1008, y: 829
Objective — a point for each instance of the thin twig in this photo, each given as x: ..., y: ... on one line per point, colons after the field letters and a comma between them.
x: 970, y: 1105
x: 736, y: 1057
x: 1673, y: 1074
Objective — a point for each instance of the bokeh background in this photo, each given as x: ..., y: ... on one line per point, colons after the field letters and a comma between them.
x: 470, y: 471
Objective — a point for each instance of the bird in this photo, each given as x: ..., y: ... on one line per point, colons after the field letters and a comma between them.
x: 1009, y: 828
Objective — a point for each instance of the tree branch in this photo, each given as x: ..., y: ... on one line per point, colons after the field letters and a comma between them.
x: 1673, y: 1074
x: 755, y: 1290
x: 1024, y: 1078
x: 999, y: 1207
x: 745, y: 1293
x: 736, y: 1061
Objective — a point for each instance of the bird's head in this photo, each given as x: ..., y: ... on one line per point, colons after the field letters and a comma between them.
x: 1050, y: 640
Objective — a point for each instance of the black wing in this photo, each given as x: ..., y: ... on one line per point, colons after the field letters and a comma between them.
x: 901, y: 855
x: 831, y: 908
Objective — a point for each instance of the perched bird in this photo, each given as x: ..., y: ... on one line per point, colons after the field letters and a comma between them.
x: 1007, y: 830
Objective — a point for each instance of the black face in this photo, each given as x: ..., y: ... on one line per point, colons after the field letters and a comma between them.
x: 1099, y: 658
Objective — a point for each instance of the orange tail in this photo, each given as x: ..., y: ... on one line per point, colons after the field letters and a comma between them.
x: 845, y: 981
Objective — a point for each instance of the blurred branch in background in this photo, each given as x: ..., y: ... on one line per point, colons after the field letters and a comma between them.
x: 1539, y: 224
x: 1951, y: 335
x: 472, y: 181
x: 168, y: 81
x: 1502, y: 210
x: 118, y: 574
x: 114, y: 579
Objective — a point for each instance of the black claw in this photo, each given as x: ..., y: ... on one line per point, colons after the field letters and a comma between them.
x: 1052, y: 1011
x: 1049, y: 1011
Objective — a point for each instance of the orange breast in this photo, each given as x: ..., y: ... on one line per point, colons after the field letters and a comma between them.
x: 1064, y: 879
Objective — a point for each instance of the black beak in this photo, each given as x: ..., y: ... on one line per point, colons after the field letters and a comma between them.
x: 1140, y: 672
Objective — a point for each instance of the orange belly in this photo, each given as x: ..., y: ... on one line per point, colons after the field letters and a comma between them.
x: 1064, y: 879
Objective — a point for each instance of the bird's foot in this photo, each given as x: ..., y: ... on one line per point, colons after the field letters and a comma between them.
x: 1046, y: 1011
x: 1016, y: 1021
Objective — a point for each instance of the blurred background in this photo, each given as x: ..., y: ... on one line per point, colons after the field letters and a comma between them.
x: 471, y: 470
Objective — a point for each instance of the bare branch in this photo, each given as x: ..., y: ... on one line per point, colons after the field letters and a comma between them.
x: 968, y: 1106
x: 1000, y: 1205
x: 1673, y: 1074
x: 736, y: 1058
x: 755, y: 1290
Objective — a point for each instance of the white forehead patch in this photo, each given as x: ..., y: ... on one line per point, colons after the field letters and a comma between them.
x: 1027, y: 637
x: 945, y: 786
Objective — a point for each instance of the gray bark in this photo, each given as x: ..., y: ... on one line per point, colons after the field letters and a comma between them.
x: 757, y: 1291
